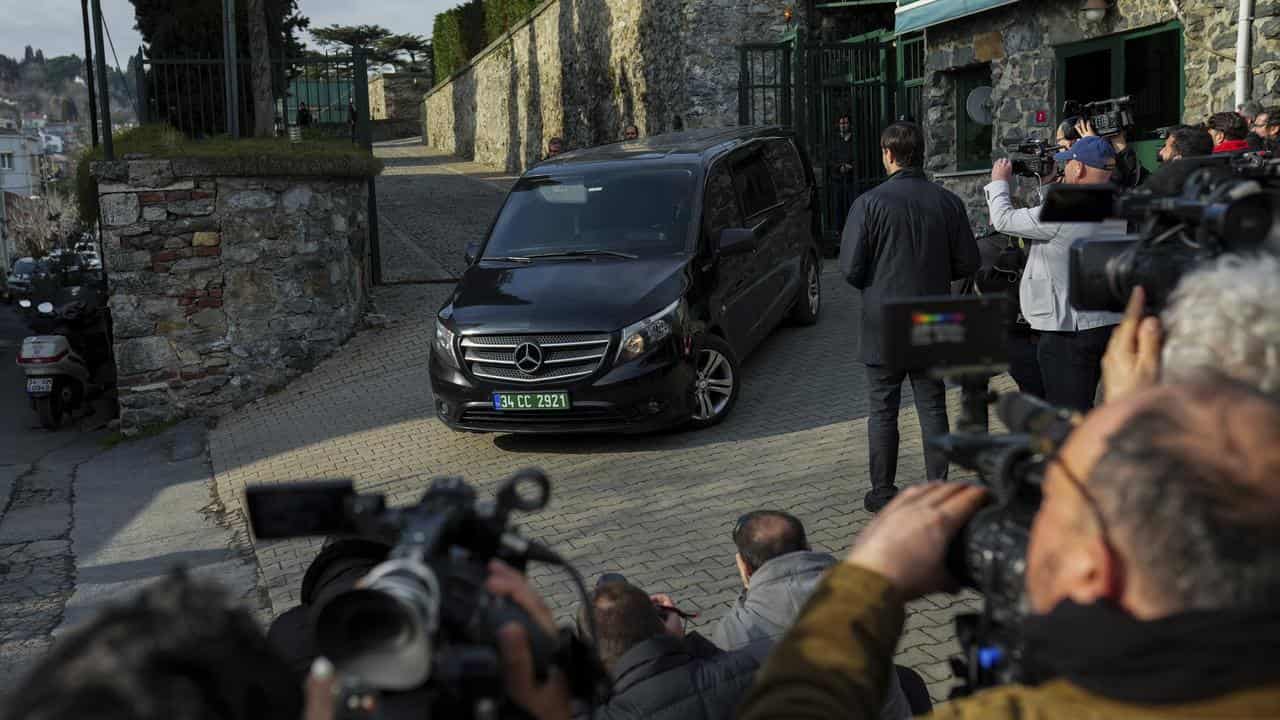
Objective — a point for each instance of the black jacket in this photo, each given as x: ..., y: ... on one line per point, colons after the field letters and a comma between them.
x: 667, y: 678
x: 907, y: 237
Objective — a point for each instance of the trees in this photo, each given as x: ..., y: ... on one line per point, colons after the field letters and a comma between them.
x: 193, y: 29
x: 391, y: 49
x: 260, y: 69
x: 457, y: 36
x: 350, y: 36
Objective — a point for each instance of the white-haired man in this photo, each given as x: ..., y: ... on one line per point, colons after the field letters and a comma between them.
x: 1222, y: 317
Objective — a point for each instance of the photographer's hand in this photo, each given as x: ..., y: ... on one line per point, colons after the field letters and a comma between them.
x: 1132, y: 359
x: 1084, y: 128
x: 907, y: 541
x: 671, y: 620
x: 1002, y: 170
x: 545, y: 701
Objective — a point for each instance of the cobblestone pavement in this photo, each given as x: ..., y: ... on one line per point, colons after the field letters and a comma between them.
x: 426, y: 202
x: 658, y: 508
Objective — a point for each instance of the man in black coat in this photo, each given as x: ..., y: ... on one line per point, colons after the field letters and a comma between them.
x: 907, y: 237
x: 658, y: 672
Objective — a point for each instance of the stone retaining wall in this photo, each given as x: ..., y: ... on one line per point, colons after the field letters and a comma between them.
x: 396, y: 96
x: 585, y: 69
x: 224, y: 287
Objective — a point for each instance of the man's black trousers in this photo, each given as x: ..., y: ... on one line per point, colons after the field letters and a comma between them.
x: 884, y: 396
x: 1071, y: 366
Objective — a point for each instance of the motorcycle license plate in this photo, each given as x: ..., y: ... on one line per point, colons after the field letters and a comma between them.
x: 36, y: 386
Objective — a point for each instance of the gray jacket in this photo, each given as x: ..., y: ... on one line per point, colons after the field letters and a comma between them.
x: 765, y: 611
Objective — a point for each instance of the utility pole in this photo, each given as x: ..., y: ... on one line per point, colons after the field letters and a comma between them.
x: 231, y: 68
x: 88, y: 72
x: 103, y: 91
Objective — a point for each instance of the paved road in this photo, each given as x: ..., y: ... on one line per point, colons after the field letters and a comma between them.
x: 658, y: 508
x: 82, y: 525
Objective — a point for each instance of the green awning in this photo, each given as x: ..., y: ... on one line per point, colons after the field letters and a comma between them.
x: 919, y: 14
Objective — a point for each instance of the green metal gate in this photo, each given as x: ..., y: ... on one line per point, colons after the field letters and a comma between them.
x: 872, y: 78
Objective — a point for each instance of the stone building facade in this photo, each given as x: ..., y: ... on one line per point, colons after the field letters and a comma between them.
x: 585, y: 69
x: 1027, y: 46
x: 222, y: 286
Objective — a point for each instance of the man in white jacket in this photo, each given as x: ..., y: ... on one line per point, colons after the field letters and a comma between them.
x: 1071, y: 341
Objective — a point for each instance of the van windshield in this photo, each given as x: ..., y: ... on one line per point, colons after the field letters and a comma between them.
x: 644, y: 212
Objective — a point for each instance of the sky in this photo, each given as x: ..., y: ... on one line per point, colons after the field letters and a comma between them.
x: 55, y: 26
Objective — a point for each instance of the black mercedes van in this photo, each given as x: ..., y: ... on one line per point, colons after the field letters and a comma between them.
x: 620, y: 287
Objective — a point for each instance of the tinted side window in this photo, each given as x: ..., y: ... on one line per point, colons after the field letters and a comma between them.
x: 752, y: 180
x: 720, y: 203
x: 788, y: 172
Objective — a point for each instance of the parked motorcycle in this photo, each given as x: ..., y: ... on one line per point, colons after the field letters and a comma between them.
x: 67, y: 360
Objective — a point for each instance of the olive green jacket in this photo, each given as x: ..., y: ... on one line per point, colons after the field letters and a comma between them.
x: 835, y: 663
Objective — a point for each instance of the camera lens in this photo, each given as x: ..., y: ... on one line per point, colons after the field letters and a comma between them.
x: 1096, y: 280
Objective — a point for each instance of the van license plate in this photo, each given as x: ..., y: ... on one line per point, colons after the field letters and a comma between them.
x: 557, y: 400
x: 39, y: 385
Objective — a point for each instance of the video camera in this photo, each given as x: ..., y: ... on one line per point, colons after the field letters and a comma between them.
x: 1192, y: 210
x: 963, y: 339
x: 420, y: 625
x: 1032, y: 157
x: 1107, y: 117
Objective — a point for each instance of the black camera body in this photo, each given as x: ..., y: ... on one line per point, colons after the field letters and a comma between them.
x: 420, y: 624
x: 1032, y: 157
x: 1191, y: 211
x: 962, y: 339
x: 1107, y: 117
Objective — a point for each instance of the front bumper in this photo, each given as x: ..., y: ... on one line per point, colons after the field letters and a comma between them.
x: 643, y: 396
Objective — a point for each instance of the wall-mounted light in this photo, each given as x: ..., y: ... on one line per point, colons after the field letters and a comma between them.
x: 1092, y: 11
x: 788, y: 15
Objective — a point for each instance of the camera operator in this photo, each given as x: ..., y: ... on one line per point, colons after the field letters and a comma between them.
x: 1129, y: 172
x: 1071, y: 342
x: 779, y: 572
x: 1185, y: 141
x: 1152, y: 573
x: 1221, y: 317
x: 1228, y: 131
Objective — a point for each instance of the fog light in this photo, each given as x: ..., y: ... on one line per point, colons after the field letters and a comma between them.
x: 442, y: 407
x: 654, y: 407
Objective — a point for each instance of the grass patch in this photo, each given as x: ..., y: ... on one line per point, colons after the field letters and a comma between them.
x: 147, y: 431
x: 267, y: 156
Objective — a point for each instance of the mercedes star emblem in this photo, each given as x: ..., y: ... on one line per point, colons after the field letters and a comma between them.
x: 528, y: 357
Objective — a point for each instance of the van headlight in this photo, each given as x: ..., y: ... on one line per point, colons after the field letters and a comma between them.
x: 642, y: 338
x: 444, y: 344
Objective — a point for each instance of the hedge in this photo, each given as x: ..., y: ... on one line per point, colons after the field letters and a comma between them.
x: 502, y: 15
x: 457, y: 36
x: 461, y: 33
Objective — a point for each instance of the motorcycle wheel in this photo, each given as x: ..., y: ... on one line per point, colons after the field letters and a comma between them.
x: 50, y: 411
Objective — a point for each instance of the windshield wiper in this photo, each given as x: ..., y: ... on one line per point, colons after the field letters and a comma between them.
x: 507, y: 258
x: 586, y: 253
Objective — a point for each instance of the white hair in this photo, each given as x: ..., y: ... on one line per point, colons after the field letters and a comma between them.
x: 1225, y: 317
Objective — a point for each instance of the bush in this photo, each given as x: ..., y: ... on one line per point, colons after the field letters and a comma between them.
x: 457, y: 36
x: 502, y: 15
x: 163, y: 141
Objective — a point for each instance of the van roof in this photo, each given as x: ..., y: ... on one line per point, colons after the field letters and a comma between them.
x: 703, y: 145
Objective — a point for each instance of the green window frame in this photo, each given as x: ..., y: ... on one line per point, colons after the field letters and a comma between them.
x: 911, y: 76
x: 1117, y: 44
x: 973, y: 140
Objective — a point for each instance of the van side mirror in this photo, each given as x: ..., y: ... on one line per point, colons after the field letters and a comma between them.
x: 469, y: 256
x: 736, y: 241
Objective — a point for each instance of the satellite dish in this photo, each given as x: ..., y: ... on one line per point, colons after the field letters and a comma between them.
x: 978, y: 105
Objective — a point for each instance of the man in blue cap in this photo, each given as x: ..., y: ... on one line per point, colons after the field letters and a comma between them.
x: 1072, y: 341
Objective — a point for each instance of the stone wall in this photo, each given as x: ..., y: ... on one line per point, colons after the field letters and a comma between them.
x: 224, y: 287
x: 585, y: 69
x: 397, y: 96
x: 1019, y: 40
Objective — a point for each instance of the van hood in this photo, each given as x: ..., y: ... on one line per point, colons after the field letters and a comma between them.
x: 596, y: 295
